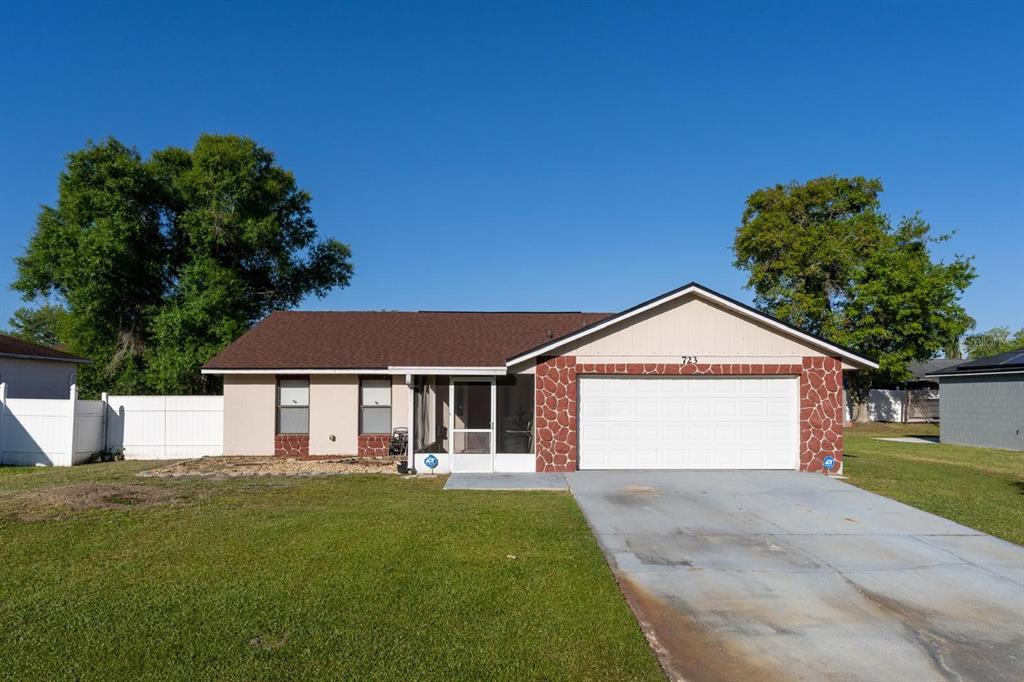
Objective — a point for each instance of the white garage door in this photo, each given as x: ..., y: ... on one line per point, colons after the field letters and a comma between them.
x: 688, y: 423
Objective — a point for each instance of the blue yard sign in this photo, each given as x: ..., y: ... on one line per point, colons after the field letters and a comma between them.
x: 431, y: 462
x: 829, y: 463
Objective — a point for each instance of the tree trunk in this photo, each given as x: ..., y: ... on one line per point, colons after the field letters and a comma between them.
x: 859, y: 387
x: 860, y: 415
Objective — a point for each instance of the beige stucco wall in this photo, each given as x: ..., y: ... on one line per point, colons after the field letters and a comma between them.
x: 249, y: 414
x: 37, y: 378
x: 692, y: 327
x: 333, y: 410
x: 399, y: 402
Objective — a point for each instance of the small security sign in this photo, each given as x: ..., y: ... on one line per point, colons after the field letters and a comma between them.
x: 829, y: 463
x: 431, y: 462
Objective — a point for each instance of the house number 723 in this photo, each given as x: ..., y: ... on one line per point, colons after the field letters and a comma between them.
x: 689, y: 359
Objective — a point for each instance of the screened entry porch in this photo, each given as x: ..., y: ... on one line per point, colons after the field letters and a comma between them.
x: 474, y: 423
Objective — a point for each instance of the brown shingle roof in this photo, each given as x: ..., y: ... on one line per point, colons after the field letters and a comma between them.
x: 376, y: 340
x: 13, y: 346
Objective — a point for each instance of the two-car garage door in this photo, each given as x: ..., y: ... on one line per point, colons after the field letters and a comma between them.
x: 688, y: 422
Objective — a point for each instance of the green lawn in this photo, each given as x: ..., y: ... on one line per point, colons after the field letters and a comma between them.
x: 358, y: 577
x: 978, y: 487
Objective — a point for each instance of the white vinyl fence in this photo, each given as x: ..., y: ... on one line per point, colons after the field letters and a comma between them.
x: 166, y: 427
x: 898, y: 405
x: 884, y: 405
x: 65, y: 432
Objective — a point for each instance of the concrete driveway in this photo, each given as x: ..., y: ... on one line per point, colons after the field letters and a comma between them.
x: 785, y: 575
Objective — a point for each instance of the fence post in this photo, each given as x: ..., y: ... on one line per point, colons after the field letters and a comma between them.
x: 3, y: 417
x: 73, y: 405
x: 105, y: 398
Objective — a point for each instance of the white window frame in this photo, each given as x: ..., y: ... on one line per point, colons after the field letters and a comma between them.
x: 376, y: 406
x: 279, y: 406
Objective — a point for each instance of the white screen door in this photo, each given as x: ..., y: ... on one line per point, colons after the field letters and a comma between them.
x: 472, y: 424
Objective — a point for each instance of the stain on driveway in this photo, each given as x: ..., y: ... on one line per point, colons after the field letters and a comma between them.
x: 791, y: 576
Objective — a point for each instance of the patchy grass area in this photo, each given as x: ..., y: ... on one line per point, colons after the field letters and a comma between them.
x: 979, y: 487
x: 110, y: 576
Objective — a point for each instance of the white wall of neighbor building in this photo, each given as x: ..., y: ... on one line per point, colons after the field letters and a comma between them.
x: 37, y: 378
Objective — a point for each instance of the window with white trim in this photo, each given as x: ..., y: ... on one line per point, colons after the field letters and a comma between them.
x: 293, y: 405
x: 375, y: 405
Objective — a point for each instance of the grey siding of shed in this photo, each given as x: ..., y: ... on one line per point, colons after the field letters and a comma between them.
x: 37, y: 378
x: 983, y: 410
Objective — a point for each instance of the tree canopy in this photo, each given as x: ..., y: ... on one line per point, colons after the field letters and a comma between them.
x: 38, y: 325
x: 159, y: 263
x: 823, y: 257
x: 993, y: 342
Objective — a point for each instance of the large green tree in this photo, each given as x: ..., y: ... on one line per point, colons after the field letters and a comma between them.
x: 993, y: 342
x: 161, y: 262
x: 823, y: 257
x: 38, y: 325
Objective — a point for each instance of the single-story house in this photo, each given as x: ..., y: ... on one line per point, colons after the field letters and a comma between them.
x: 31, y: 370
x: 690, y: 379
x: 983, y: 402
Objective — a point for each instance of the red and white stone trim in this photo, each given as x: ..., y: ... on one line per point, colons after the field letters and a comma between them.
x: 291, y: 445
x: 821, y: 413
x: 373, y: 444
x: 821, y: 391
x: 555, y: 385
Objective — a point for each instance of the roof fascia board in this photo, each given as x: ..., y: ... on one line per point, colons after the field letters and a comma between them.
x: 707, y: 294
x: 49, y: 358
x: 466, y: 371
x: 296, y: 370
x: 976, y: 374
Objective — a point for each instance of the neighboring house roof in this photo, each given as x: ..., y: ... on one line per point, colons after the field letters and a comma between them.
x: 708, y: 294
x: 13, y: 347
x: 922, y: 370
x: 379, y: 340
x: 340, y: 341
x: 1011, y: 362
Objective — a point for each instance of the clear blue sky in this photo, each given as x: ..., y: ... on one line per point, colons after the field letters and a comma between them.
x: 542, y: 156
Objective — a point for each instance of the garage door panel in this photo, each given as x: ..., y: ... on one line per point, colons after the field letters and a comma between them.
x: 673, y: 408
x: 620, y: 409
x: 688, y: 422
x: 649, y: 433
x: 647, y: 409
x: 726, y: 408
x: 750, y: 409
x: 778, y: 408
x: 699, y: 409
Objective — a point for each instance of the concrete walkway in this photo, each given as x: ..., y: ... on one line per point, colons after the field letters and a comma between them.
x: 543, y: 481
x: 929, y: 440
x: 792, y: 576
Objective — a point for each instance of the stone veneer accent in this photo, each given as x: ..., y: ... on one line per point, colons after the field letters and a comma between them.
x: 373, y: 444
x: 821, y: 381
x: 291, y: 445
x: 821, y: 413
x: 555, y: 402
